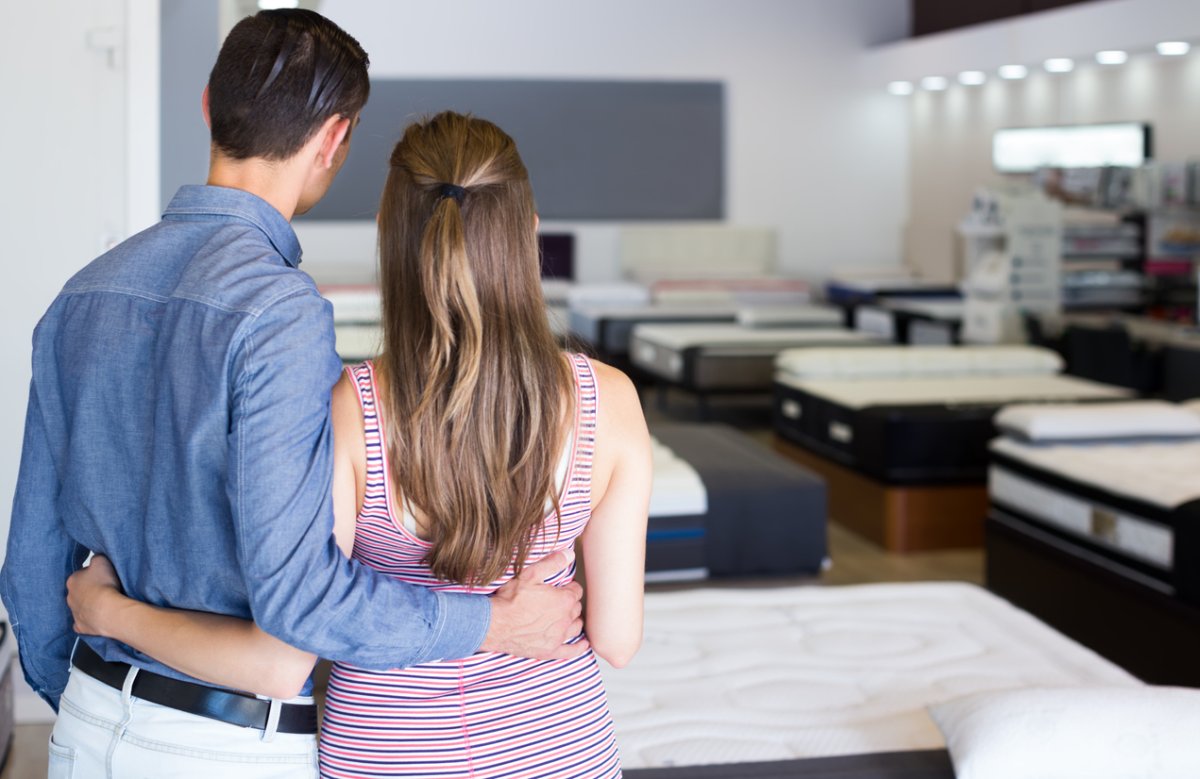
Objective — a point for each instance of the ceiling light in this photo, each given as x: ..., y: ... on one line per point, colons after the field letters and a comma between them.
x: 900, y: 88
x: 934, y: 83
x: 1012, y: 72
x: 1111, y: 57
x: 1059, y: 65
x: 1173, y: 48
x: 972, y: 78
x: 272, y: 5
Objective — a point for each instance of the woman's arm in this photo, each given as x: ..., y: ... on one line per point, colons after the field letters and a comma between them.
x: 224, y: 650
x: 614, y: 541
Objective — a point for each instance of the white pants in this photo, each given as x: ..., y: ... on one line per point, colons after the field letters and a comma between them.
x: 102, y: 732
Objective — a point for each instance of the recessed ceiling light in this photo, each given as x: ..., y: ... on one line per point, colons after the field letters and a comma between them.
x: 934, y: 83
x: 1059, y: 65
x: 900, y: 88
x: 1012, y: 72
x: 972, y: 78
x: 1173, y: 48
x: 1111, y: 57
x: 272, y: 5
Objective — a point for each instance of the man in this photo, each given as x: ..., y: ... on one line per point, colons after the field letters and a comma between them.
x: 178, y: 423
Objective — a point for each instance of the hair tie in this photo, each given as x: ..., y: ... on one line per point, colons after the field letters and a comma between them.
x: 454, y: 191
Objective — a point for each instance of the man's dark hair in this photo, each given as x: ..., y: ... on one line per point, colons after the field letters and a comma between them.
x: 280, y: 75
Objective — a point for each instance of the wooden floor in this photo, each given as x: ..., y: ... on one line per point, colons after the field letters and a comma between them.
x: 855, y: 561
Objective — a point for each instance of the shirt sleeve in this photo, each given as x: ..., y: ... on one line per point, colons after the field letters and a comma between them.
x: 39, y: 559
x: 301, y: 588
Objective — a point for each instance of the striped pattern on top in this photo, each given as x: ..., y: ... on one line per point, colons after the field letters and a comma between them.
x: 489, y: 715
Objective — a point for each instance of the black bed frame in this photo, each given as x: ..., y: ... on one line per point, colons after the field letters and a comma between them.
x: 1145, y: 627
x: 916, y: 764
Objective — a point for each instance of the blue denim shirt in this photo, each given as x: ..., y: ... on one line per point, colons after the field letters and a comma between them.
x: 179, y: 423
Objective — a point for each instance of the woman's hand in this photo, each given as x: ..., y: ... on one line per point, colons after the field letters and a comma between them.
x: 94, y: 594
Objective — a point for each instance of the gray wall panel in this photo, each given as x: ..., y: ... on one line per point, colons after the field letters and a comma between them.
x: 595, y: 149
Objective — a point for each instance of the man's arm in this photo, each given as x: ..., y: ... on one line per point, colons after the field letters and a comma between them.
x: 39, y: 558
x: 301, y: 588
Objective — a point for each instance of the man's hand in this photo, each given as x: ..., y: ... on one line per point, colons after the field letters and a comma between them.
x: 533, y: 619
x: 90, y: 595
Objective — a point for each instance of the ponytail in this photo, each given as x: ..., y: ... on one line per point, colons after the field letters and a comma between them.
x: 477, y: 393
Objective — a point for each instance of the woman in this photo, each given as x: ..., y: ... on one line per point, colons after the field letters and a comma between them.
x: 469, y: 450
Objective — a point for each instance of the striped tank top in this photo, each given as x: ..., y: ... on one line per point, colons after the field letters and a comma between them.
x: 489, y: 715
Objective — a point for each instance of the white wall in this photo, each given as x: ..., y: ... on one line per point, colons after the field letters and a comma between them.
x: 79, y: 85
x: 812, y: 151
x: 951, y: 131
x: 64, y: 194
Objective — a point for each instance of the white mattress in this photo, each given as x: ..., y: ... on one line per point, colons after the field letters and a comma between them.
x: 860, y: 393
x: 357, y: 341
x: 354, y: 303
x: 362, y: 340
x: 875, y: 320
x: 790, y: 315
x: 1164, y: 474
x: 729, y: 676
x: 615, y: 293
x: 950, y: 310
x: 907, y: 362
x: 676, y: 490
x: 682, y: 336
x: 652, y: 311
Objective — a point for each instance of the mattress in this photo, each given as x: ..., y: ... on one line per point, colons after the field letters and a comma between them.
x: 798, y: 675
x: 913, y: 429
x: 356, y: 341
x: 608, y: 328
x: 737, y: 291
x: 790, y: 316
x: 722, y: 357
x: 917, y: 321
x: 854, y: 291
x: 675, y: 535
x: 766, y: 515
x: 1131, y: 507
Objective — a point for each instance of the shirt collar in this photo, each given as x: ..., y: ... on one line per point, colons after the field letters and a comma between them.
x: 201, y: 200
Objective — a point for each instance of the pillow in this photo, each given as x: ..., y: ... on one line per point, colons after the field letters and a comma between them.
x: 1139, y: 419
x: 1074, y: 733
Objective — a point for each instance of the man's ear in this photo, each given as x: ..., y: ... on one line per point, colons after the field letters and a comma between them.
x: 204, y: 107
x: 332, y: 133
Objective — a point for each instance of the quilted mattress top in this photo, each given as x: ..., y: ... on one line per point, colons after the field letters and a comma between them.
x: 743, y: 675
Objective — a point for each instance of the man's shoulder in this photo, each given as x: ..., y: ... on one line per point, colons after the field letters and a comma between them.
x: 228, y: 266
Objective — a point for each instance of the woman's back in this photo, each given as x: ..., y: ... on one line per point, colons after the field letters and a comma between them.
x: 489, y: 714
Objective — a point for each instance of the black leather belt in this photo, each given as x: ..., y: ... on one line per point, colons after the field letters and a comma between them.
x: 235, y: 708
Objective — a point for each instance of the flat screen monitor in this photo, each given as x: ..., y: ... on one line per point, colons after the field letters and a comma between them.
x: 558, y: 255
x: 1025, y: 149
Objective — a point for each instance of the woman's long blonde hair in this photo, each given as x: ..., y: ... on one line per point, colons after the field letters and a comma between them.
x: 477, y: 392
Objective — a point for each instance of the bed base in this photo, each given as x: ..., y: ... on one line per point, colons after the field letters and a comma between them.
x: 900, y: 518
x: 917, y: 764
x: 1152, y: 634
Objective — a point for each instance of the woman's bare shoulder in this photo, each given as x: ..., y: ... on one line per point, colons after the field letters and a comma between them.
x: 619, y: 406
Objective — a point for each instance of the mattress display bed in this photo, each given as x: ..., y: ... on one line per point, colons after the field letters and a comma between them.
x: 901, y: 433
x: 725, y: 357
x: 917, y: 321
x: 825, y: 681
x: 607, y: 329
x: 904, y: 415
x: 723, y: 505
x: 1094, y: 525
